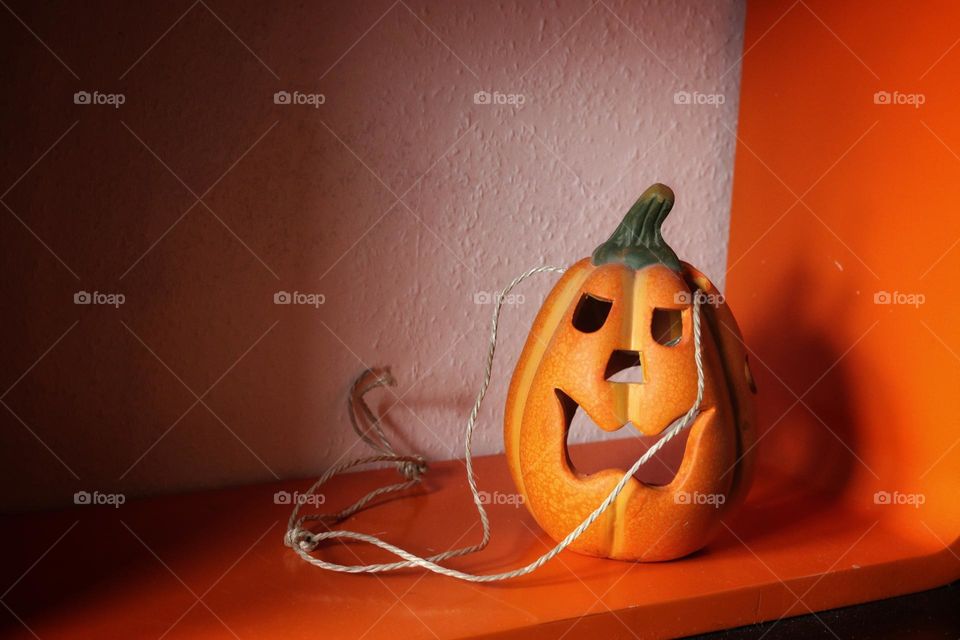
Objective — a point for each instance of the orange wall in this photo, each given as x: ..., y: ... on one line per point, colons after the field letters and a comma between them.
x: 838, y: 197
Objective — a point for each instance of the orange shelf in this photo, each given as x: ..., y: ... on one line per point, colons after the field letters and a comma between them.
x: 142, y: 567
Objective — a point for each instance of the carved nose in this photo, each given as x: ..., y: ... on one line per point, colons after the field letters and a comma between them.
x: 625, y: 366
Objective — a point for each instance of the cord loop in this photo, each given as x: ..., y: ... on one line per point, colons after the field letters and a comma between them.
x: 412, y: 468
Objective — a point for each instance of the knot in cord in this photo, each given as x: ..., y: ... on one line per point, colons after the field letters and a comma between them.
x: 301, y: 538
x: 413, y: 469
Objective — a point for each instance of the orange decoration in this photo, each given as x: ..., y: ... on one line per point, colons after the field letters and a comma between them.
x: 627, y: 310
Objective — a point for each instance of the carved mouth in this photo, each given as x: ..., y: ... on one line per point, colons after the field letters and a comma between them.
x: 659, y: 471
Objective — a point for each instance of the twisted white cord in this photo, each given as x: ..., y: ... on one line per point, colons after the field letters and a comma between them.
x: 303, y: 542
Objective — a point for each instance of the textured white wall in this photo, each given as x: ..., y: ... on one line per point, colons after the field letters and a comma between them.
x: 399, y: 199
x: 542, y: 184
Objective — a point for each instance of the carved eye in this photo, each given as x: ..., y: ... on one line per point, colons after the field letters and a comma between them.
x: 591, y: 313
x: 667, y: 326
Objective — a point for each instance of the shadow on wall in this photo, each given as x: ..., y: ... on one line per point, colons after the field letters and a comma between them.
x: 808, y: 447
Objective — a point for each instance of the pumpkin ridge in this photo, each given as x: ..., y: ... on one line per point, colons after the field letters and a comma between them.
x: 728, y: 362
x: 545, y: 325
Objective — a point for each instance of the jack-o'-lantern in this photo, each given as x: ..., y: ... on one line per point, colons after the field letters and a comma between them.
x: 628, y: 307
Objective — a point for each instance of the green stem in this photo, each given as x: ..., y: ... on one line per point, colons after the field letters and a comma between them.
x: 637, y: 241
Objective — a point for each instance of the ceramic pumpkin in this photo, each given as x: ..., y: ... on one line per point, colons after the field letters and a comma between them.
x: 629, y: 306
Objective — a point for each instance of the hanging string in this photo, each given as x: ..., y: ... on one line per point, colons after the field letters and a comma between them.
x: 304, y: 541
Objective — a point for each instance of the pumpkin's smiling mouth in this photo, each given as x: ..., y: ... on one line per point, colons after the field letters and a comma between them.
x: 661, y: 470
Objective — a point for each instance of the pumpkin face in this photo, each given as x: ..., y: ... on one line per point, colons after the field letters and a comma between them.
x: 614, y: 339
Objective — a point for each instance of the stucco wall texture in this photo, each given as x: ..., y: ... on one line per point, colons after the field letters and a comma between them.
x: 402, y: 198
